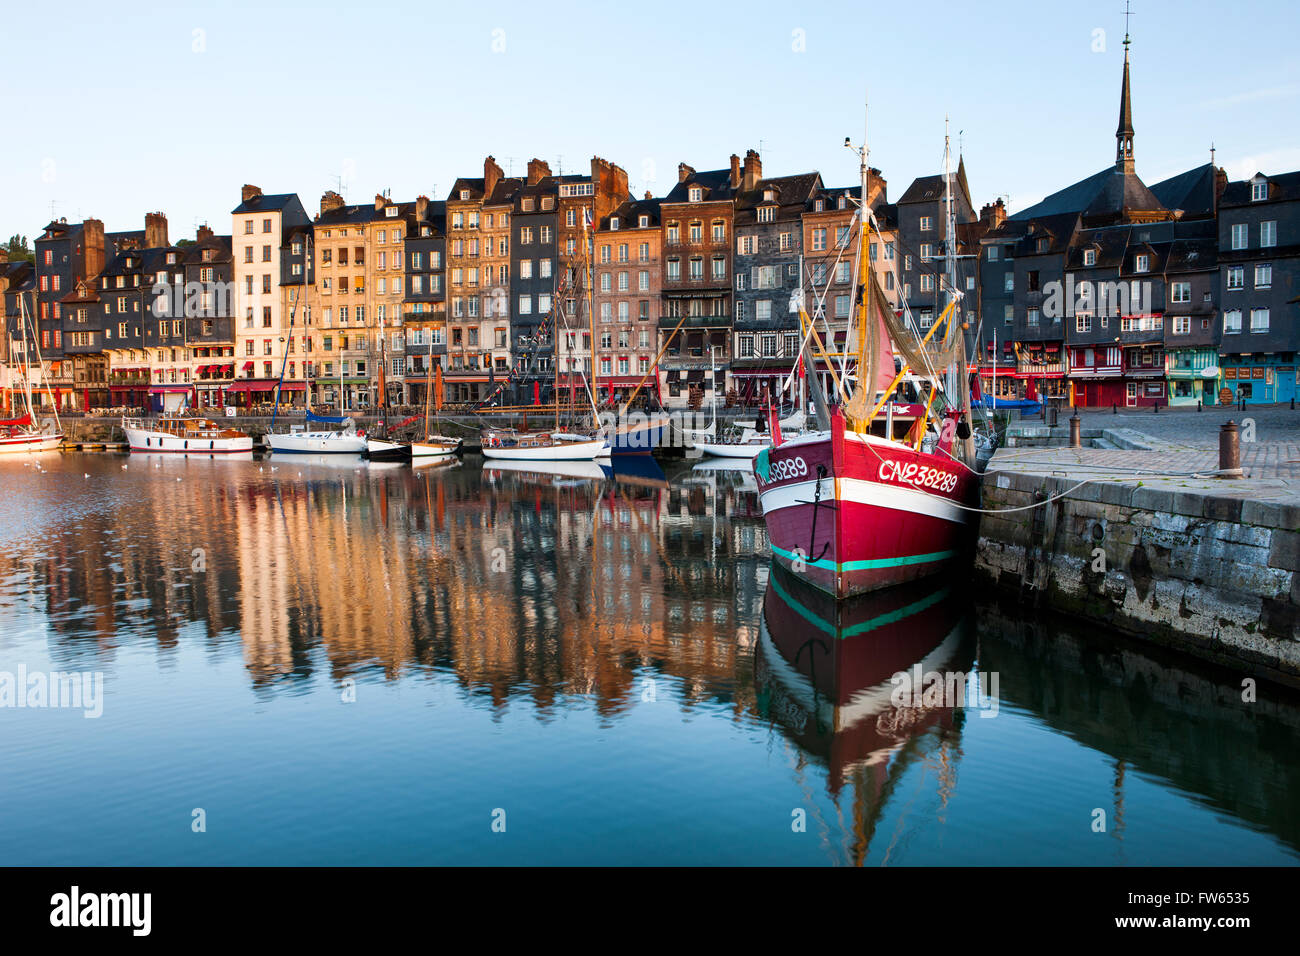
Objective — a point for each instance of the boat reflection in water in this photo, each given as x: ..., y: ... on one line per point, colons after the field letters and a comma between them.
x: 825, y: 672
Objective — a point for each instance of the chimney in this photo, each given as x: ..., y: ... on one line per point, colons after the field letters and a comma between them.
x: 330, y: 200
x: 1220, y: 184
x: 994, y: 214
x: 248, y: 192
x: 492, y: 175
x: 92, y: 239
x: 537, y: 171
x: 204, y: 232
x: 684, y: 172
x: 155, y: 230
x: 753, y: 171
x: 735, y: 172
x: 649, y: 195
x: 421, y: 207
x: 4, y: 255
x: 380, y: 201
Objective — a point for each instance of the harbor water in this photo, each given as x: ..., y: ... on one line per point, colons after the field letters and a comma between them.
x: 305, y: 661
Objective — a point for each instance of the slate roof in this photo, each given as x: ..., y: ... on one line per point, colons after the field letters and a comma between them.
x: 269, y: 203
x: 1192, y: 192
x: 1283, y: 187
x: 716, y: 184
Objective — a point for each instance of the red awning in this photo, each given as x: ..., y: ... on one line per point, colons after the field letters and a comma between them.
x: 248, y: 366
x: 292, y: 387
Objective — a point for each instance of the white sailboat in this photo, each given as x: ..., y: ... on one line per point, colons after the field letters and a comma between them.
x: 433, y: 445
x: 23, y: 434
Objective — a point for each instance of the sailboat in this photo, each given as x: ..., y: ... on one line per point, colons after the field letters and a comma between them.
x: 22, y: 433
x: 433, y: 445
x: 557, y: 445
x: 881, y: 493
x: 741, y: 439
x: 386, y: 448
x: 344, y: 441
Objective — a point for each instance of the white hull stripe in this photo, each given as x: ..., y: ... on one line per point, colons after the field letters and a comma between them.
x: 874, y: 493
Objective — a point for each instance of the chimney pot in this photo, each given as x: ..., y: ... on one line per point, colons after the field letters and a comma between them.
x: 248, y: 192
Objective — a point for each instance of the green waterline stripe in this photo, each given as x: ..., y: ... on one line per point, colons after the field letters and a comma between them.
x: 890, y: 617
x: 868, y: 564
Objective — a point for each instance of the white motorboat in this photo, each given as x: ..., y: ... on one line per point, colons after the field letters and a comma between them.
x: 383, y: 449
x: 184, y: 435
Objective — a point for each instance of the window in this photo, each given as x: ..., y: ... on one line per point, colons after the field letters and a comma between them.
x: 1259, y: 320
x: 763, y: 310
x: 1008, y: 314
x: 1239, y: 238
x: 767, y: 214
x: 697, y: 268
x: 719, y: 231
x: 927, y: 282
x: 841, y: 306
x: 1236, y: 277
x: 927, y: 223
x: 1089, y: 257
x: 1142, y: 263
x: 1258, y: 191
x: 1268, y: 234
x: 993, y: 254
x: 819, y: 240
x: 1083, y: 323
x: 674, y: 268
x: 927, y: 251
x: 1264, y: 275
x: 1031, y: 318
x: 696, y: 194
x: 525, y: 305
x: 719, y: 267
x: 1009, y: 282
x: 1232, y: 321
x: 1181, y: 292
x: 1182, y: 324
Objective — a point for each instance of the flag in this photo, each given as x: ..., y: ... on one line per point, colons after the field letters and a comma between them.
x: 437, y: 388
x: 586, y: 218
x: 975, y: 393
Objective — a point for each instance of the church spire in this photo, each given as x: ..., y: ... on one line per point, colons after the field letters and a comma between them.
x: 1124, y: 133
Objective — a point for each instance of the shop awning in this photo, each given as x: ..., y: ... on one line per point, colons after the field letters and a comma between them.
x: 248, y: 366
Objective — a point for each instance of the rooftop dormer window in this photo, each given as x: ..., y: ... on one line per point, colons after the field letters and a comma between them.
x: 769, y: 194
x: 613, y: 222
x: 643, y: 221
x: 171, y: 258
x: 695, y: 194
x: 390, y: 212
x: 1089, y: 257
x: 1259, y: 190
x: 843, y: 203
x: 766, y: 213
x: 1142, y: 263
x: 820, y: 205
x: 1043, y: 244
x: 464, y: 194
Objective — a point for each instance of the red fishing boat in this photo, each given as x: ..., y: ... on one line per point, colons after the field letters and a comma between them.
x: 884, y: 491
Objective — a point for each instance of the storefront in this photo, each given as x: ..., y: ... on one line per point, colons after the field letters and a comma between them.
x: 1193, y: 376
x: 1262, y: 378
x: 169, y: 398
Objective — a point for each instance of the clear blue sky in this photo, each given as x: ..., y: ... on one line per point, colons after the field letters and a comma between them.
x: 113, y: 110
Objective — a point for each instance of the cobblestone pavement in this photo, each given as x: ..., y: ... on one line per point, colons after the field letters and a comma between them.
x: 1181, y: 441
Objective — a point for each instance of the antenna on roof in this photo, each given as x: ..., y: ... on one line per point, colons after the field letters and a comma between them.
x: 510, y: 167
x: 1211, y: 152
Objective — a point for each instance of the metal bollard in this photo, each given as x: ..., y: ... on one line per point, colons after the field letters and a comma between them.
x: 1157, y: 408
x: 1229, y: 451
x: 1114, y: 408
x: 1198, y: 404
x: 1076, y: 439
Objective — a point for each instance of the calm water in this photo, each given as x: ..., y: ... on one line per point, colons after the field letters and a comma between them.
x: 340, y: 663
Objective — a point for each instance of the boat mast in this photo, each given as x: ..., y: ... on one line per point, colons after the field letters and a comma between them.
x: 428, y: 384
x: 589, y: 241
